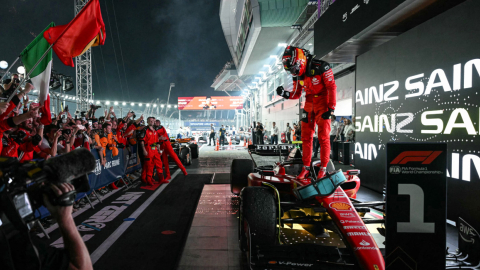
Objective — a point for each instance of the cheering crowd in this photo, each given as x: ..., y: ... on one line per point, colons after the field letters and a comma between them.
x: 26, y: 138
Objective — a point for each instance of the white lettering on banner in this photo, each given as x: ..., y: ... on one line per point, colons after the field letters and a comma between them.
x: 369, y: 151
x: 98, y: 167
x: 437, y: 79
x: 467, y: 161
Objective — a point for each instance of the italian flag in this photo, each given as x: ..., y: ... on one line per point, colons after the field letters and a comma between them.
x: 41, y: 75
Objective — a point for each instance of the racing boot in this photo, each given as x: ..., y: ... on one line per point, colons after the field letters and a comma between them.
x: 168, y: 177
x: 161, y: 179
x: 322, y: 173
x: 303, y: 176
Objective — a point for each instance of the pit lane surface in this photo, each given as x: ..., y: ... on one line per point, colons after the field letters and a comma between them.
x: 191, y: 223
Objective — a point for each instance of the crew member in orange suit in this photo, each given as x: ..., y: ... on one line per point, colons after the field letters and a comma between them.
x: 315, y: 77
x: 149, y: 145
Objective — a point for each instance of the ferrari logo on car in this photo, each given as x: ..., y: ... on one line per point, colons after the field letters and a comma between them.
x: 340, y: 206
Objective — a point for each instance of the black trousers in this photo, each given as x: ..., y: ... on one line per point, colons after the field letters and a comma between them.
x: 222, y: 140
x: 260, y: 139
x: 211, y: 138
x: 316, y: 147
x: 288, y: 138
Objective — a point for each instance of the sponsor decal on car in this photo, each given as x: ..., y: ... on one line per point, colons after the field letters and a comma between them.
x: 347, y: 215
x: 349, y: 221
x: 358, y: 234
x: 296, y: 264
x: 364, y: 243
x: 365, y: 246
x: 340, y: 206
x: 354, y: 227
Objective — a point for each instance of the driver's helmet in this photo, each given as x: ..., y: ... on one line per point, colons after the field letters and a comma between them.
x: 294, y: 60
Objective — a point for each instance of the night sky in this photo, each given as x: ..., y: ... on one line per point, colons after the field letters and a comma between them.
x: 162, y: 42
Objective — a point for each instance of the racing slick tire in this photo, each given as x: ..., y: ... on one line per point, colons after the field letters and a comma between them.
x: 194, y: 150
x: 239, y: 172
x: 186, y: 156
x: 258, y: 217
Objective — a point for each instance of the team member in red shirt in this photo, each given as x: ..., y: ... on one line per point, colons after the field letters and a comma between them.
x: 149, y: 145
x: 315, y: 77
x: 167, y: 150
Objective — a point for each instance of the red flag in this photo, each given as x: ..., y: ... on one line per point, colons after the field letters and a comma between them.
x: 84, y: 31
x: 46, y: 118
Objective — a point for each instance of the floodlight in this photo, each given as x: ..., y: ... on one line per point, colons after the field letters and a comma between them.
x: 169, y: 106
x: 140, y: 104
x: 124, y: 103
x: 133, y: 104
x: 148, y: 105
x: 162, y: 106
x: 154, y: 105
x: 98, y: 102
x: 115, y: 103
x: 107, y: 102
x: 3, y: 64
x: 21, y: 70
x: 176, y: 106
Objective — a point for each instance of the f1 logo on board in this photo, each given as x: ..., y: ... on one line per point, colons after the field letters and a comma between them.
x: 426, y: 157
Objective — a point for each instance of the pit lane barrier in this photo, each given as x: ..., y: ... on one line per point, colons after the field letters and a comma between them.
x: 116, y: 168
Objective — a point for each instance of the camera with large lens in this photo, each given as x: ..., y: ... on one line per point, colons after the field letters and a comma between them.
x: 18, y: 136
x: 93, y: 107
x: 22, y: 185
x: 66, y: 131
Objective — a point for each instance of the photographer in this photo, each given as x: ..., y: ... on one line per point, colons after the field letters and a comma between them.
x: 81, y: 138
x: 50, y: 143
x: 9, y: 85
x: 75, y: 254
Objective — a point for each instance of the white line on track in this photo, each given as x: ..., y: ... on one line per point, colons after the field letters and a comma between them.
x: 97, y: 254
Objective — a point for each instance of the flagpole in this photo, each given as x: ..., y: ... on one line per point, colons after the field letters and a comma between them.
x: 45, y: 54
x: 6, y: 72
x: 30, y: 72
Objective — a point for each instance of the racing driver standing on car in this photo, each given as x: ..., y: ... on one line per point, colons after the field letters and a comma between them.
x: 315, y: 77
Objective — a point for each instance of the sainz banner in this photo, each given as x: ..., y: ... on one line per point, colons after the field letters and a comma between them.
x: 424, y: 86
x: 210, y: 103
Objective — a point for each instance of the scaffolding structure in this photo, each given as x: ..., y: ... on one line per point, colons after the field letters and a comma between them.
x: 83, y: 65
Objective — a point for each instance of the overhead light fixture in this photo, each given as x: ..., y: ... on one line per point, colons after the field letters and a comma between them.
x: 21, y: 70
x: 107, y: 102
x: 162, y: 106
x: 67, y: 84
x: 148, y: 105
x: 169, y: 106
x: 154, y: 105
x: 176, y: 106
x: 124, y: 103
x: 133, y: 104
x: 140, y: 104
x: 310, y: 44
x: 91, y: 101
x: 3, y: 64
x: 98, y: 102
x: 115, y: 103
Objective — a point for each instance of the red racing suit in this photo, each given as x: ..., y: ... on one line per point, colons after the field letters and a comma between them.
x: 168, y: 151
x: 152, y: 160
x: 320, y: 96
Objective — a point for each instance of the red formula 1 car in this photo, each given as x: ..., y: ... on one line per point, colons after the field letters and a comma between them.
x: 286, y: 225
